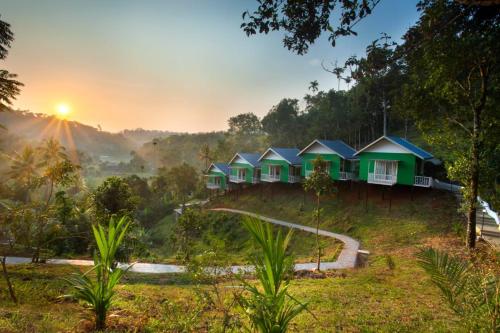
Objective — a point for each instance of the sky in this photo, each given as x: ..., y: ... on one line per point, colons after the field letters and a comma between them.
x: 183, y: 66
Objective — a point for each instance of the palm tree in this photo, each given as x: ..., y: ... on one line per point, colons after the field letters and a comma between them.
x: 51, y: 152
x: 23, y: 166
x: 471, y: 292
x: 205, y: 154
x: 313, y: 86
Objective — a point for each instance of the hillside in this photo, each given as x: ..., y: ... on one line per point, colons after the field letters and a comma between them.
x: 140, y: 136
x: 389, y: 293
x: 34, y: 127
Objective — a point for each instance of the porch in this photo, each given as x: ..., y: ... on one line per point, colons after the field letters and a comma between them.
x: 345, y: 175
x: 213, y: 182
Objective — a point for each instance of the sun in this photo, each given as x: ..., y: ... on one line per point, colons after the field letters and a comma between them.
x: 63, y: 110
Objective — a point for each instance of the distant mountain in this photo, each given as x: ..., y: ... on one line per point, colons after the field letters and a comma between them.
x: 140, y: 136
x: 35, y: 127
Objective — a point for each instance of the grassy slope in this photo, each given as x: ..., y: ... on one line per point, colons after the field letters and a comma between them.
x: 369, y: 299
x: 229, y: 232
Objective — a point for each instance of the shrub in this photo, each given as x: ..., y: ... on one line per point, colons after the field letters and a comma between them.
x: 98, y: 293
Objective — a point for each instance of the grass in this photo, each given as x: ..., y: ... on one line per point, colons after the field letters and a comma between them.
x: 379, y: 297
x: 227, y: 231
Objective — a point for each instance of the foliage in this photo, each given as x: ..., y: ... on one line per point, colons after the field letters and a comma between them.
x: 245, y: 124
x: 272, y: 308
x: 320, y: 183
x: 187, y: 229
x: 452, y: 59
x: 304, y: 21
x: 9, y: 86
x: 474, y: 295
x: 98, y: 293
x: 183, y: 180
x: 114, y: 197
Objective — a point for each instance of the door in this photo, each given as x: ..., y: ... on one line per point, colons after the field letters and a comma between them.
x: 242, y: 174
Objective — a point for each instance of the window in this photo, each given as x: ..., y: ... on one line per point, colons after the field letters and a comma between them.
x: 387, y: 168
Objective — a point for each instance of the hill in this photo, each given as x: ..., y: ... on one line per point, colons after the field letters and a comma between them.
x: 34, y: 127
x: 140, y: 136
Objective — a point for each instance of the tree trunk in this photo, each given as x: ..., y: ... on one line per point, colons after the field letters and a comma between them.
x: 476, y: 146
x: 7, y: 280
x: 318, y: 267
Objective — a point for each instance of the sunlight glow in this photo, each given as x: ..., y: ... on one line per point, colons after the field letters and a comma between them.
x: 63, y: 110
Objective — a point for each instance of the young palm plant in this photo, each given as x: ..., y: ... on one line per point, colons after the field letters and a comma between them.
x: 98, y: 292
x: 270, y: 308
x: 474, y: 295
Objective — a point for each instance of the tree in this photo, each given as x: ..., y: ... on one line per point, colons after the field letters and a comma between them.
x: 182, y: 180
x: 51, y: 152
x: 304, y: 21
x: 9, y: 86
x: 245, y: 124
x: 271, y: 308
x: 205, y: 154
x: 452, y: 56
x: 313, y: 86
x: 473, y: 295
x: 187, y: 229
x: 99, y: 293
x: 24, y: 169
x: 320, y: 183
x: 281, y: 123
x: 114, y: 197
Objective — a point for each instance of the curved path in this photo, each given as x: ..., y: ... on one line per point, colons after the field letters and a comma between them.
x: 346, y: 259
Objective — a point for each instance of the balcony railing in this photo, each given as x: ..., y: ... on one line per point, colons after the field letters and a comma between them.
x: 382, y: 179
x: 308, y: 173
x: 255, y: 180
x: 269, y: 178
x: 423, y: 181
x: 236, y: 179
x: 344, y: 175
x: 213, y: 186
x: 294, y: 179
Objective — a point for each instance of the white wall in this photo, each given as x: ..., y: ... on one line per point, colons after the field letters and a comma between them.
x: 238, y: 159
x: 385, y: 146
x: 317, y: 148
x: 273, y: 156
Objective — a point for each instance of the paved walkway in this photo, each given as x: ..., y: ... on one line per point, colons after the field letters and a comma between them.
x: 346, y: 259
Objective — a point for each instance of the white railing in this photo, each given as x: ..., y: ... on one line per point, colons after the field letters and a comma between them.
x: 375, y: 178
x: 294, y: 179
x: 344, y: 175
x: 308, y: 173
x: 213, y: 186
x: 269, y: 178
x: 423, y: 181
x: 236, y: 179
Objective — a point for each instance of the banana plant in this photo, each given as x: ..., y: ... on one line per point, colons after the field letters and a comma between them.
x: 97, y: 290
x: 270, y: 308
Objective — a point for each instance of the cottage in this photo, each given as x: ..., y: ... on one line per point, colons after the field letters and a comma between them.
x: 217, y: 176
x: 340, y: 159
x: 281, y: 165
x: 392, y: 160
x: 244, y: 168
